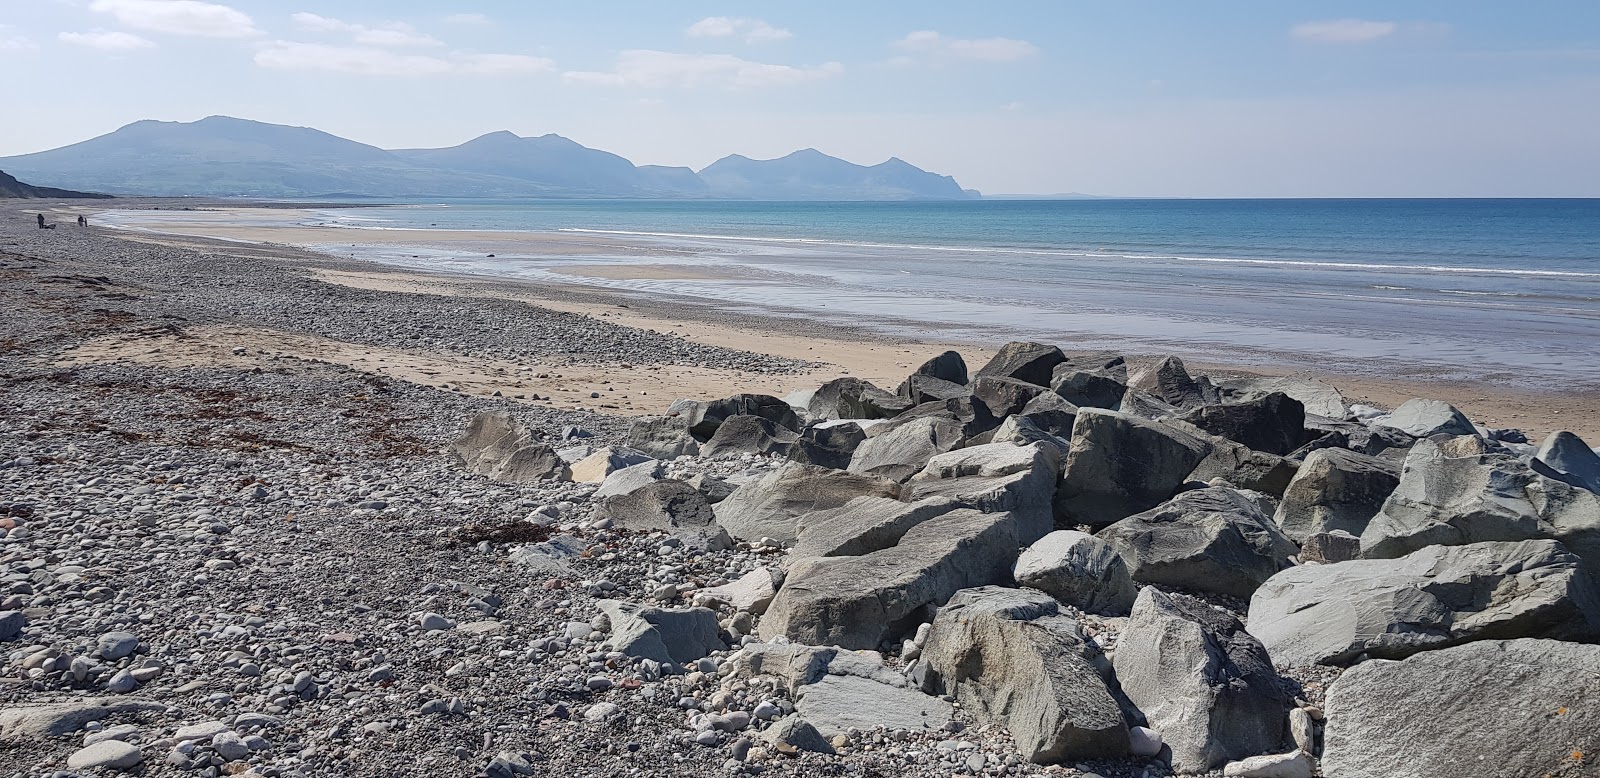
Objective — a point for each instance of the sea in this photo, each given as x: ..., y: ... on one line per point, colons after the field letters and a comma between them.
x: 1474, y: 289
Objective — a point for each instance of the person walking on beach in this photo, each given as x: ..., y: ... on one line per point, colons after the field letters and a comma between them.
x: 82, y: 220
x: 41, y: 220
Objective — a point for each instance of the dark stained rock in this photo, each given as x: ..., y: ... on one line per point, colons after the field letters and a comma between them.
x: 1030, y: 362
x: 1274, y: 423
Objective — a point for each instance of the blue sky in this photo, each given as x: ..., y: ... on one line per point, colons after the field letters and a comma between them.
x: 1128, y: 98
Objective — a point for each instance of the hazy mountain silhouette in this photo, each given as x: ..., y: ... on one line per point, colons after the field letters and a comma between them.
x: 224, y: 156
x: 10, y: 187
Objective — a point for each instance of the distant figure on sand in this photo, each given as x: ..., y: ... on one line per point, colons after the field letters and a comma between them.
x: 82, y: 221
x: 41, y: 220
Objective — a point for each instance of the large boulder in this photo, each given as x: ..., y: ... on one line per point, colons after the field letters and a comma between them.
x: 829, y: 444
x: 769, y: 506
x: 1088, y: 389
x: 899, y: 453
x: 1051, y: 413
x: 504, y: 449
x: 996, y: 478
x: 1078, y: 569
x: 1453, y: 494
x: 663, y: 504
x: 1005, y: 396
x: 1335, y: 489
x: 663, y: 437
x: 1022, y: 431
x: 861, y: 601
x: 948, y: 366
x: 1237, y: 464
x: 1201, y: 681
x: 1169, y: 382
x: 839, y: 690
x: 1425, y: 418
x: 853, y: 398
x: 1274, y: 423
x: 662, y: 634
x: 745, y: 434
x: 1495, y: 707
x: 594, y: 468
x: 704, y: 418
x: 34, y: 722
x: 864, y: 525
x: 973, y: 415
x: 1024, y: 361
x: 1319, y: 398
x: 1433, y: 598
x: 1121, y: 465
x: 925, y: 388
x: 1014, y: 660
x: 1571, y: 460
x: 1209, y: 540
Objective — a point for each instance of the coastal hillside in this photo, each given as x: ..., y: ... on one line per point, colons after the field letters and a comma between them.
x: 229, y: 157
x: 10, y: 187
x: 812, y: 175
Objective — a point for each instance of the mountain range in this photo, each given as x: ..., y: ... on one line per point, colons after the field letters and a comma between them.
x: 221, y: 156
x: 10, y: 187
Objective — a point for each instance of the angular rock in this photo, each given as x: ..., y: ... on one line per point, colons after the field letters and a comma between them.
x: 1024, y: 361
x: 769, y: 506
x: 31, y: 723
x: 1567, y: 455
x: 996, y: 478
x: 662, y: 634
x: 1011, y: 657
x: 1425, y: 418
x: 1433, y: 598
x: 853, y: 398
x: 630, y: 478
x: 924, y: 388
x: 1079, y: 570
x: 1051, y: 413
x: 704, y: 419
x: 107, y: 754
x: 1295, y: 764
x: 1330, y: 547
x: 594, y: 468
x: 1169, y: 382
x: 713, y: 488
x: 1236, y: 463
x: 794, y: 734
x: 1451, y: 496
x: 1087, y: 389
x: 752, y: 593
x: 1274, y: 424
x: 1020, y: 430
x: 836, y: 704
x: 828, y: 445
x: 1201, y: 681
x: 1120, y: 465
x: 899, y: 453
x: 973, y: 415
x: 745, y: 434
x: 11, y: 624
x: 948, y: 366
x: 658, y: 505
x: 1209, y: 540
x: 860, y: 601
x: 1147, y: 406
x: 1005, y: 396
x: 663, y: 437
x: 797, y: 665
x: 1335, y: 489
x: 1319, y: 398
x: 506, y: 450
x: 864, y: 525
x: 1502, y: 707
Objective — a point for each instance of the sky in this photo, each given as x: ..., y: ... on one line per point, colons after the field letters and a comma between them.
x: 1245, y: 98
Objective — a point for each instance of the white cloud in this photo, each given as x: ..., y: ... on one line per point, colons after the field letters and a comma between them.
x: 1343, y: 31
x: 929, y: 42
x: 107, y: 41
x: 10, y: 41
x: 179, y: 17
x: 752, y: 30
x: 371, y: 61
x: 385, y: 34
x: 647, y: 68
x: 467, y: 19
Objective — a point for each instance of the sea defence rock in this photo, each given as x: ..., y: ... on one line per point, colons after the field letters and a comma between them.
x: 973, y: 415
x: 1319, y: 398
x: 1425, y: 418
x: 705, y: 418
x: 1201, y: 681
x: 1088, y: 389
x: 663, y: 437
x: 506, y: 450
x: 1274, y: 424
x: 662, y: 634
x: 752, y: 592
x: 839, y: 690
x: 861, y: 601
x: 1005, y: 396
x: 1051, y: 413
x: 657, y: 505
x: 1209, y: 540
x: 1237, y: 464
x: 901, y: 452
x: 1012, y: 658
x: 1021, y: 431
x: 630, y: 478
x: 853, y: 398
x: 925, y: 388
x: 864, y: 525
x: 1169, y: 382
x: 1495, y: 707
x: 996, y: 478
x: 594, y: 468
x: 769, y: 506
x: 1024, y: 361
x: 1454, y: 493
x: 829, y: 444
x: 1335, y: 489
x: 32, y: 723
x: 1078, y: 569
x: 949, y: 367
x: 1571, y: 460
x: 744, y: 434
x: 1430, y: 599
x: 1121, y: 465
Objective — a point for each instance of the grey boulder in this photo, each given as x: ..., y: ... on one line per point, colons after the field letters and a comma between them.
x: 996, y: 478
x: 1319, y: 398
x: 925, y: 388
x: 661, y: 634
x: 506, y: 450
x: 830, y: 444
x: 1434, y: 598
x: 1169, y: 381
x: 1012, y: 658
x: 1078, y: 569
x: 658, y: 505
x: 1024, y: 361
x: 1425, y: 418
x: 853, y: 398
x: 1005, y: 396
x: 1088, y: 389
x: 663, y: 437
x: 900, y: 452
x: 771, y: 505
x: 1571, y: 459
x: 1274, y: 424
x: 1495, y: 707
x: 949, y: 367
x: 705, y: 418
x: 746, y: 434
x: 1201, y: 681
x: 1120, y: 465
x: 864, y: 525
x: 106, y: 754
x: 1335, y: 489
x: 1209, y: 540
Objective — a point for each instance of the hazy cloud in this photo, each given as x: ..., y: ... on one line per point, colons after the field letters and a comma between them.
x: 179, y: 17
x: 107, y: 41
x: 929, y: 42
x: 1343, y: 31
x: 752, y: 30
x: 467, y: 19
x: 648, y: 68
x: 10, y: 41
x: 385, y: 34
x: 371, y: 61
